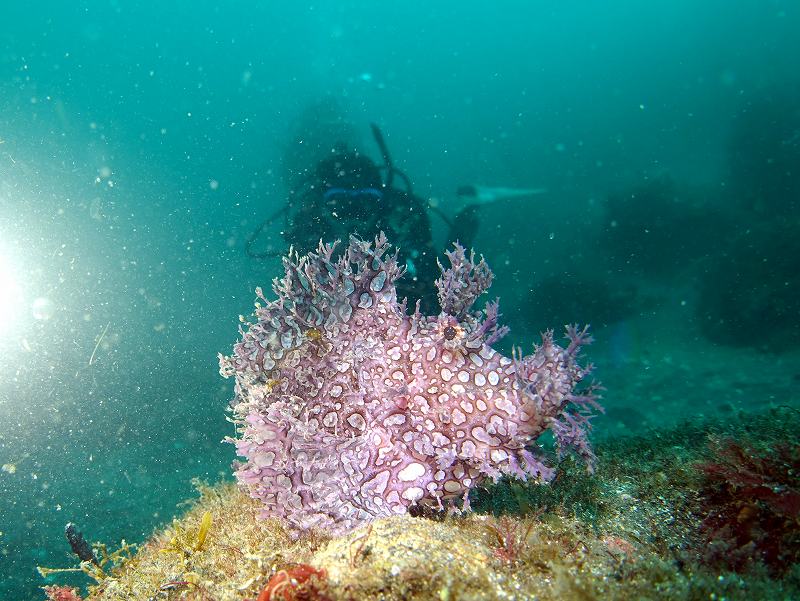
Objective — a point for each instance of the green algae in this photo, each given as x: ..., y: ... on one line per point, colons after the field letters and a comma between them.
x: 631, y: 531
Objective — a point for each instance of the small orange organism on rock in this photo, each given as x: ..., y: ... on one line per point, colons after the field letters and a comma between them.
x: 300, y: 581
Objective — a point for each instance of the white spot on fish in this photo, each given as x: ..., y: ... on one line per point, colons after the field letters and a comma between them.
x: 411, y: 472
x: 345, y: 312
x: 487, y: 352
x: 480, y: 434
x: 414, y: 493
x: 440, y: 440
x: 476, y: 359
x: 376, y: 285
x: 357, y: 421
x: 505, y: 405
x: 378, y: 483
x: 499, y: 455
x: 452, y: 486
x: 365, y: 300
x: 397, y: 419
x: 468, y: 450
x: 264, y: 459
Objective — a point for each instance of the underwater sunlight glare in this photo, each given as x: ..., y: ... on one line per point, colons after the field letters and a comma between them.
x: 11, y: 300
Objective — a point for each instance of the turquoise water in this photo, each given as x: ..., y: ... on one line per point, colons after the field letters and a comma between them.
x: 141, y: 145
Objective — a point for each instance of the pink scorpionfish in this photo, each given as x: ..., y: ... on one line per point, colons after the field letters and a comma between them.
x: 348, y: 409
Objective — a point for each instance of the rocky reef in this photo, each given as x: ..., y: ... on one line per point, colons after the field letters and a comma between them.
x: 349, y: 409
x: 672, y: 514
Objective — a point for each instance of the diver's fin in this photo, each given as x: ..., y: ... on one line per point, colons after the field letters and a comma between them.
x: 483, y: 195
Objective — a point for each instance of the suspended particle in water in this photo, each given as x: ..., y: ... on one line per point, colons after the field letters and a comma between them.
x: 96, y: 209
x: 42, y: 309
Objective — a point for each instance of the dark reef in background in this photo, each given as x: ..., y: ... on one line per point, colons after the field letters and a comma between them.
x: 749, y: 289
x: 741, y: 242
x: 749, y: 294
x: 656, y: 229
x: 764, y: 152
x: 562, y: 299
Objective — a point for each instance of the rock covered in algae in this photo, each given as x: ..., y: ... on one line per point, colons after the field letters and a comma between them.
x: 633, y: 531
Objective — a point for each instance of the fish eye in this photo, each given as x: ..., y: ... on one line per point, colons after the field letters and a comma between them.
x: 449, y: 333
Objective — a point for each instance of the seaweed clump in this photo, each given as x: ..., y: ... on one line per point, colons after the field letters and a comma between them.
x: 752, y: 502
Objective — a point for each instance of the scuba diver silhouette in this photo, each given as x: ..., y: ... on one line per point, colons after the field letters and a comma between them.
x: 347, y: 193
